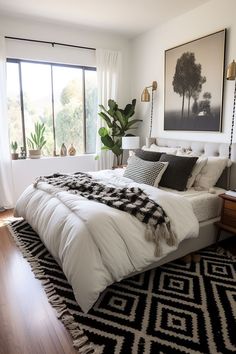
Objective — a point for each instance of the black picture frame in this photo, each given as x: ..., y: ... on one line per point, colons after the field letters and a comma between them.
x: 194, y: 84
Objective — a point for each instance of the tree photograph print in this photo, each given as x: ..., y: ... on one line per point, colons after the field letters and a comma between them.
x: 194, y: 76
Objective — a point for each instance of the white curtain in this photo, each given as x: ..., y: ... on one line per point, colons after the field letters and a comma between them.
x: 6, y: 182
x: 108, y: 73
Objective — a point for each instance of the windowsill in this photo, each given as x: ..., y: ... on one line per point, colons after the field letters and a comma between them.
x: 57, y: 157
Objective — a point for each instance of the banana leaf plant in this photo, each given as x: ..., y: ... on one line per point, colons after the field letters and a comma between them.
x: 117, y: 123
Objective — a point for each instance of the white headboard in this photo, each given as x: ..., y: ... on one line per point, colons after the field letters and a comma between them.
x: 208, y: 149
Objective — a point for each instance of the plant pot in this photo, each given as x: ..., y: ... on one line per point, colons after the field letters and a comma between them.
x: 14, y: 156
x: 34, y: 154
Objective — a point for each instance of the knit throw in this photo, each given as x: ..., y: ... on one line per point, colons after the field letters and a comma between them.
x: 131, y: 200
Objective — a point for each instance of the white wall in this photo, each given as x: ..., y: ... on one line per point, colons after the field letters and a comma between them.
x: 148, y: 63
x: 82, y: 36
x: 25, y: 171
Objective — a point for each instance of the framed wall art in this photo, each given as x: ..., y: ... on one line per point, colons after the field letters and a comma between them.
x: 194, y: 77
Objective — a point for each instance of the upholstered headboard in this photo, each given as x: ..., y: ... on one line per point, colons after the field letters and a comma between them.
x: 208, y: 149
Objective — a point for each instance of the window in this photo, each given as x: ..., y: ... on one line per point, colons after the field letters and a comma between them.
x: 63, y: 97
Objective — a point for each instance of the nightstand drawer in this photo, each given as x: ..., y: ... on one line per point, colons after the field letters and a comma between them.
x: 230, y: 205
x: 228, y: 214
x: 229, y: 217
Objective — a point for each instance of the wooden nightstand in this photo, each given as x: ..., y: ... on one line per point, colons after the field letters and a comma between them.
x: 228, y: 215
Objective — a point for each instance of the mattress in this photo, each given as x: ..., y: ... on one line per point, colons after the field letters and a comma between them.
x: 206, y: 205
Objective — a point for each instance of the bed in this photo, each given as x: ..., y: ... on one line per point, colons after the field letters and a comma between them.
x: 97, y: 245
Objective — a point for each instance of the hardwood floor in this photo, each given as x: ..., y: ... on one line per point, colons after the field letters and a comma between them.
x: 28, y: 323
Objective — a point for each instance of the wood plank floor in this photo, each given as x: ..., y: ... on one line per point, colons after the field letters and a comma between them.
x: 28, y: 324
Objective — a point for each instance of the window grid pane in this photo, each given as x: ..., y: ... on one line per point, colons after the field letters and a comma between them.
x: 36, y: 84
x: 91, y: 105
x: 68, y: 105
x: 13, y: 102
x: 51, y: 87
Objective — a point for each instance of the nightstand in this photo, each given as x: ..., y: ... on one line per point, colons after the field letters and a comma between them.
x: 228, y: 215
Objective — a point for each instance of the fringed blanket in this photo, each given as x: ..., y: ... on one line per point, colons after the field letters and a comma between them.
x: 131, y: 200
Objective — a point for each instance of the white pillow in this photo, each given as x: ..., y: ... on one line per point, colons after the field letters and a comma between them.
x: 158, y: 179
x: 165, y: 149
x: 201, y: 162
x: 186, y: 152
x: 210, y: 173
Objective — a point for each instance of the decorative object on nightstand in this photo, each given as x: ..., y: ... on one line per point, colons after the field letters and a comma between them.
x: 130, y: 143
x: 145, y: 97
x: 228, y: 215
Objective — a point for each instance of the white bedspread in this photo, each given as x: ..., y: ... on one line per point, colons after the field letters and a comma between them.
x: 95, y: 244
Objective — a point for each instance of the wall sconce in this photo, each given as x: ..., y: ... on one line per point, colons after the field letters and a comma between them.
x: 231, y: 75
x: 145, y: 97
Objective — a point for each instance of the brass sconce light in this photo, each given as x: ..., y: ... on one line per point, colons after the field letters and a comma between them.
x: 231, y: 75
x: 145, y: 97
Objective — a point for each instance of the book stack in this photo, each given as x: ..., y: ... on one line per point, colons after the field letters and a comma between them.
x: 231, y: 193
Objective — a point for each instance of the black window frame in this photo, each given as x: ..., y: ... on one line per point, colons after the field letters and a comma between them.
x: 83, y: 67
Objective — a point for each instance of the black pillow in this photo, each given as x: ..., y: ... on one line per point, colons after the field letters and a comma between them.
x: 178, y: 171
x: 148, y: 155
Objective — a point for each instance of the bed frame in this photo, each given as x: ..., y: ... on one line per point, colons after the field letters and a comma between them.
x: 207, y: 230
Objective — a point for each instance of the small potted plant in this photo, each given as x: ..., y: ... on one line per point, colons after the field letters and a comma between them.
x: 14, y: 147
x: 36, y: 141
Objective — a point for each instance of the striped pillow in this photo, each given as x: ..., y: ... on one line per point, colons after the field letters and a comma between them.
x: 147, y: 172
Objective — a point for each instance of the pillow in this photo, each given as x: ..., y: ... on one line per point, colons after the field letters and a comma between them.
x: 200, y: 163
x: 148, y: 155
x: 186, y: 152
x: 166, y: 149
x: 178, y: 171
x: 210, y: 174
x: 162, y: 149
x: 147, y: 172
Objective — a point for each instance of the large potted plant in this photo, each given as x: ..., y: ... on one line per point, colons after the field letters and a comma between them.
x: 118, y: 123
x: 36, y: 141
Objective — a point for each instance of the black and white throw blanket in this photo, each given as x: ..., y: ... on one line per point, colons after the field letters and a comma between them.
x: 131, y: 200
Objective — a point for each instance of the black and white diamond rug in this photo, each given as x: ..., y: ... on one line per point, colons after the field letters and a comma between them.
x: 176, y: 308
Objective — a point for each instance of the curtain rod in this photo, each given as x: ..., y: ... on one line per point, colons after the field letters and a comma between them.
x: 46, y: 42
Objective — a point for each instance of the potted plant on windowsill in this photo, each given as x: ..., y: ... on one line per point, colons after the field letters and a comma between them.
x: 37, y: 141
x: 14, y: 147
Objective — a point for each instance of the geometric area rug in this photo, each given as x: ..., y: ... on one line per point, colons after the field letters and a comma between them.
x: 176, y: 308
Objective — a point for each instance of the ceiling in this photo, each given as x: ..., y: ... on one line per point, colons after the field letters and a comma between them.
x: 126, y: 17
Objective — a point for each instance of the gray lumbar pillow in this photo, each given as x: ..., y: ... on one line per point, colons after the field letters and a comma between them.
x: 147, y: 172
x: 178, y: 171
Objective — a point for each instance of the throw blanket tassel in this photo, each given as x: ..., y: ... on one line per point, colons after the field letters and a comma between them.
x: 158, y: 234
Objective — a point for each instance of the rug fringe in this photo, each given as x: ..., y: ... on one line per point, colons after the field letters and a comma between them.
x: 80, y: 340
x: 225, y: 252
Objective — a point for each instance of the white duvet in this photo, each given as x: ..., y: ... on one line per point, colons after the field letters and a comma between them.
x: 95, y: 244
